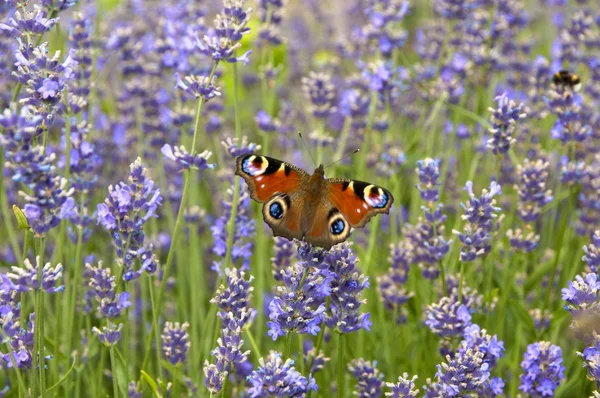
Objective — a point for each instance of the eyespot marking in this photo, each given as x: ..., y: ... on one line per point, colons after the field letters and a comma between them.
x: 276, y: 210
x: 255, y: 165
x: 376, y: 197
x: 337, y: 226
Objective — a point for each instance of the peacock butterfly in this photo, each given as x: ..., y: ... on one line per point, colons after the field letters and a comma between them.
x: 307, y: 207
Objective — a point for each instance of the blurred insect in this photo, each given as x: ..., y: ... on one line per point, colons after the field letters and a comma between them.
x: 307, y: 207
x: 564, y: 78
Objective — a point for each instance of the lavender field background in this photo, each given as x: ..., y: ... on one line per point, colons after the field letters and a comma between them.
x: 135, y: 264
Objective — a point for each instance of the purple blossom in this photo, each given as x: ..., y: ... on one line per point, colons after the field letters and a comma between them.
x: 405, y: 388
x: 591, y: 358
x: 198, y: 86
x: 480, y: 214
x: 592, y: 253
x: 448, y: 317
x: 369, y: 380
x: 28, y: 22
x: 109, y: 335
x: 235, y: 296
x: 26, y: 279
x: 176, y: 342
x: 347, y: 285
x: 543, y: 369
x: 185, y: 160
x: 320, y: 94
x: 276, y: 378
x: 284, y: 250
x: 477, y: 338
x: 504, y: 119
x: 234, y: 148
x: 124, y: 213
x: 103, y: 286
x: 428, y: 172
x: 466, y: 373
x: 299, y: 304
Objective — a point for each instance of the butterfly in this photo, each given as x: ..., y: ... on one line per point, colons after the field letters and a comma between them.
x: 321, y: 211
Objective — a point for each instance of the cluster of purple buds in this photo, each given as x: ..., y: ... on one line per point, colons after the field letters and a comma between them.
x: 391, y: 285
x: 592, y: 253
x: 270, y: 15
x: 299, y: 305
x: 284, y: 250
x: 230, y: 26
x: 382, y: 27
x: 81, y: 43
x: 234, y: 147
x: 543, y: 369
x: 320, y: 93
x: 44, y: 78
x: 347, y: 285
x: 176, y: 342
x: 233, y: 301
x: 49, y: 199
x: 504, y: 119
x: 533, y: 196
x: 84, y: 163
x: 185, y: 160
x: 124, y: 214
x: 480, y: 215
x: 369, y: 380
x: 28, y: 24
x: 591, y: 359
x: 448, y: 317
x: 104, y: 288
x: 198, y: 86
x: 276, y: 378
x: 26, y: 279
x: 583, y: 302
x: 405, y: 388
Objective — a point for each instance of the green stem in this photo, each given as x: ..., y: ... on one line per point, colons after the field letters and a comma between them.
x: 340, y: 375
x: 253, y: 343
x: 460, y: 283
x: 288, y: 345
x: 113, y: 366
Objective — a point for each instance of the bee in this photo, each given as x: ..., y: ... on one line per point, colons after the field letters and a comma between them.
x: 564, y: 78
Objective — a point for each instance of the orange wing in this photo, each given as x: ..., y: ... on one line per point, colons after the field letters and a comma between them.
x: 358, y: 201
x: 267, y: 177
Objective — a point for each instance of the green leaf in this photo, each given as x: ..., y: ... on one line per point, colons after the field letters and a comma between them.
x: 535, y: 279
x: 150, y: 380
x: 21, y: 219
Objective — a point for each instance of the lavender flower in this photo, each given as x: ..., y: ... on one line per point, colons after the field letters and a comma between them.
x: 214, y: 377
x: 477, y: 338
x: 270, y: 15
x: 320, y: 93
x: 591, y: 358
x: 19, y: 338
x: 276, y: 378
x: 448, y: 317
x: 110, y: 303
x: 480, y: 214
x: 284, y: 250
x: 382, y: 29
x: 369, y: 380
x: 176, y: 342
x: 109, y: 335
x: 299, y: 305
x: 235, y: 296
x: 542, y: 369
x: 198, y: 86
x: 235, y: 148
x: 230, y: 26
x: 405, y: 388
x: 465, y: 373
x: 124, y: 213
x: 185, y: 160
x: 80, y: 41
x: 583, y: 302
x: 26, y: 279
x: 592, y: 254
x: 428, y: 172
x: 346, y: 288
x: 28, y: 23
x: 44, y: 78
x: 504, y: 119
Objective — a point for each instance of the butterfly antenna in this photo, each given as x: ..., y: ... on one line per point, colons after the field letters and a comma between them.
x: 307, y: 149
x: 343, y: 157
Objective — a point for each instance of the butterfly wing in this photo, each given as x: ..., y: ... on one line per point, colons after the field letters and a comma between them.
x: 279, y: 186
x: 358, y: 201
x: 329, y: 226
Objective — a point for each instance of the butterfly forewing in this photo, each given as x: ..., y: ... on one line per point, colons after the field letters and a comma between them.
x: 358, y: 201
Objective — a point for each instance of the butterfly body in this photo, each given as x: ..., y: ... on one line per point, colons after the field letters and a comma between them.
x: 297, y: 205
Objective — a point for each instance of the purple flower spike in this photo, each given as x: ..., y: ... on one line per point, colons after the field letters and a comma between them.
x: 405, y: 388
x: 276, y: 378
x: 369, y: 379
x: 543, y: 369
x: 176, y: 342
x: 25, y: 280
x: 185, y: 160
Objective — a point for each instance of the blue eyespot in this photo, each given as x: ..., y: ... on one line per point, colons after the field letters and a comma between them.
x: 337, y: 227
x: 275, y: 210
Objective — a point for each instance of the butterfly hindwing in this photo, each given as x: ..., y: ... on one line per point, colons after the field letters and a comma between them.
x: 329, y: 226
x: 358, y: 201
x: 283, y: 213
x: 267, y: 177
